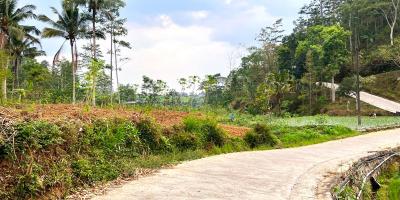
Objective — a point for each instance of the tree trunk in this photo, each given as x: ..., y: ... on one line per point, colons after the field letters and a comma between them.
x: 18, y: 70
x: 73, y: 72
x: 3, y: 40
x: 333, y: 90
x: 14, y: 85
x: 357, y: 67
x: 94, y: 33
x: 116, y: 71
x: 310, y: 95
x: 94, y: 91
x: 111, y: 65
x: 392, y: 35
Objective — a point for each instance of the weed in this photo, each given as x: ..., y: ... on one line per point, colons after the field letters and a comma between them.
x: 261, y: 135
x: 184, y: 141
x: 150, y: 133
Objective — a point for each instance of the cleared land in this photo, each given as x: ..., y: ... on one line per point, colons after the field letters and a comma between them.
x: 54, y: 112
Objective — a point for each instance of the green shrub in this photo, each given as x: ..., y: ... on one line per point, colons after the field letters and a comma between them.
x: 82, y: 170
x: 252, y: 139
x: 28, y: 186
x: 336, y: 130
x: 38, y: 135
x: 261, y: 135
x: 193, y: 124
x: 91, y: 171
x: 321, y: 119
x: 394, y: 188
x: 185, y: 141
x: 213, y: 135
x: 150, y: 133
x: 207, y: 128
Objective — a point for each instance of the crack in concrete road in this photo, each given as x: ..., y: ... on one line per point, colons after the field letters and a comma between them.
x: 297, y: 173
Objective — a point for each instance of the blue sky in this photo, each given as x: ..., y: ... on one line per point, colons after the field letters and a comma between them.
x: 179, y: 38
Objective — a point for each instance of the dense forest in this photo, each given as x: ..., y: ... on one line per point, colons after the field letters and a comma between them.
x: 333, y: 41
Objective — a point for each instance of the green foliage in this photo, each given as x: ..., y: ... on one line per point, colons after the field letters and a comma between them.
x: 208, y: 129
x: 300, y: 136
x: 184, y: 141
x: 213, y: 135
x: 38, y: 135
x: 28, y: 186
x: 91, y: 171
x: 261, y: 135
x: 150, y: 133
x: 321, y: 120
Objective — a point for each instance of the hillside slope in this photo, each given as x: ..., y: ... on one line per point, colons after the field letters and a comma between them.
x: 385, y: 85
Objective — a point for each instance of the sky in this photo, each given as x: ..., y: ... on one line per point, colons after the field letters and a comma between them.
x: 172, y: 39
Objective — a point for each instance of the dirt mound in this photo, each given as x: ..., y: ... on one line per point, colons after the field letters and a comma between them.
x: 236, y: 131
x: 54, y: 112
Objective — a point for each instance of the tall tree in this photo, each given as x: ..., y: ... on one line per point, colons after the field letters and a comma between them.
x: 96, y: 8
x: 69, y: 25
x: 113, y: 26
x: 11, y: 18
x: 390, y: 10
x: 20, y: 48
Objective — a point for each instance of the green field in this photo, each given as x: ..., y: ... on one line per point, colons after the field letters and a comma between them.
x: 350, y: 122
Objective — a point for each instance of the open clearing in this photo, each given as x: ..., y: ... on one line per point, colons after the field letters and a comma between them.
x: 258, y: 175
x: 54, y: 112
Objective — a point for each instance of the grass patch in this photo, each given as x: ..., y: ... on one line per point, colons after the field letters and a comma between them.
x: 308, y: 135
x: 349, y: 122
x: 390, y: 182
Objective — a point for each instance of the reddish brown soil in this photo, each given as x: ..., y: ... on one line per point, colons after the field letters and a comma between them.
x: 235, y: 131
x: 54, y: 112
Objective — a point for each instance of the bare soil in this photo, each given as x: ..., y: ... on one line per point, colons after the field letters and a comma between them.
x: 55, y: 112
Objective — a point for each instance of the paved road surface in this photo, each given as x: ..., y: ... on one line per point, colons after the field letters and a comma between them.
x: 298, y: 173
x: 374, y: 100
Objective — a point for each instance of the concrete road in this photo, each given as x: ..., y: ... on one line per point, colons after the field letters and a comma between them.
x: 374, y: 100
x: 298, y: 173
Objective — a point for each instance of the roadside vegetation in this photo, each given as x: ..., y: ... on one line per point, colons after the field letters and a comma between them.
x: 52, y: 158
x: 390, y: 184
x: 71, y: 123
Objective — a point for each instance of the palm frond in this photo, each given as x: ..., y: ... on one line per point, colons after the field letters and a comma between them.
x: 51, y: 32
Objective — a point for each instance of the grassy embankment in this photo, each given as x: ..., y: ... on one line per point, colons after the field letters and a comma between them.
x: 52, y: 158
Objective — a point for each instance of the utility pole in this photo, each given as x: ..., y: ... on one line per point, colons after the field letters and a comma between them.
x: 356, y: 52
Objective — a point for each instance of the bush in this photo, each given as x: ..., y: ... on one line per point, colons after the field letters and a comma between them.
x: 38, y: 135
x: 213, y: 135
x: 150, y: 133
x: 91, y: 171
x: 207, y: 128
x: 28, y: 186
x: 193, y: 124
x: 336, y: 130
x: 185, y: 141
x: 261, y: 135
x: 252, y: 139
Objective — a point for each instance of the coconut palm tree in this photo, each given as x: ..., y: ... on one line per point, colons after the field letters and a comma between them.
x: 10, y: 24
x: 20, y: 48
x: 71, y: 26
x: 95, y: 7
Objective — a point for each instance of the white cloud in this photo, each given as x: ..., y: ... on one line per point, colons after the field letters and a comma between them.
x: 168, y: 51
x: 198, y: 15
x: 228, y: 2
